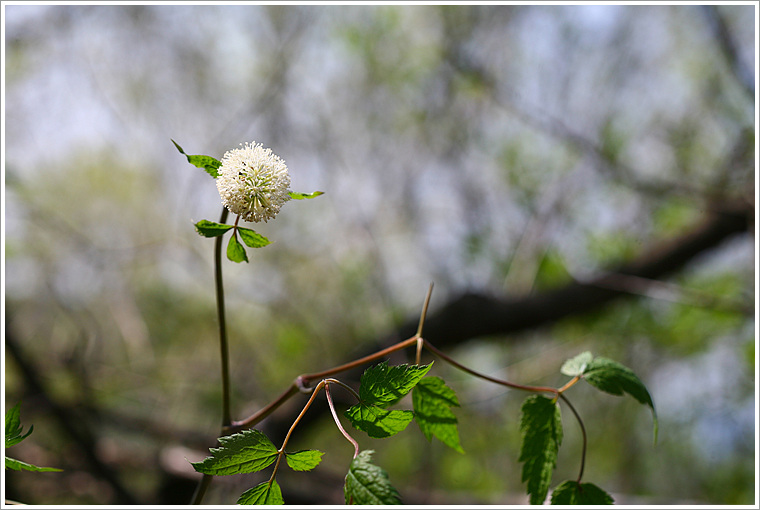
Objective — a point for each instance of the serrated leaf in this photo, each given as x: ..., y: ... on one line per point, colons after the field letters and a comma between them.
x: 577, y: 365
x: 210, y: 229
x: 245, y: 452
x: 235, y: 250
x: 209, y: 164
x: 13, y: 428
x: 541, y: 429
x: 433, y: 401
x: 368, y: 484
x: 378, y: 422
x: 264, y: 493
x: 17, y: 465
x: 301, y: 196
x: 384, y: 385
x: 305, y: 460
x: 574, y: 493
x: 253, y: 239
x: 612, y: 377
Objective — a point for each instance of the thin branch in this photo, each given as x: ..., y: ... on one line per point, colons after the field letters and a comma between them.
x: 583, y: 433
x: 335, y: 415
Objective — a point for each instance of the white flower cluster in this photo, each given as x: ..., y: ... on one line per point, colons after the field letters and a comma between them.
x: 253, y: 182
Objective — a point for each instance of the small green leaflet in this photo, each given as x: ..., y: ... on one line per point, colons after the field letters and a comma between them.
x: 13, y: 428
x: 305, y: 460
x: 577, y: 365
x: 301, y: 196
x: 14, y: 435
x: 208, y: 163
x: 433, y: 401
x: 253, y: 239
x: 235, y: 250
x: 574, y: 493
x: 210, y: 229
x: 616, y: 379
x: 541, y: 429
x: 368, y: 484
x: 245, y: 452
x: 380, y: 387
x: 264, y: 493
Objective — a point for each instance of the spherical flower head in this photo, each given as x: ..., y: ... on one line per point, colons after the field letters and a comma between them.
x: 253, y: 182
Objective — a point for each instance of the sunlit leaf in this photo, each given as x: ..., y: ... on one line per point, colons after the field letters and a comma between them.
x: 244, y: 452
x: 577, y: 365
x: 17, y: 465
x: 210, y: 229
x: 368, y: 484
x: 13, y: 428
x: 253, y: 239
x: 384, y: 385
x: 378, y: 422
x: 574, y: 493
x: 265, y: 493
x: 433, y: 401
x: 209, y: 164
x: 304, y: 460
x: 235, y: 250
x: 541, y: 429
x: 300, y: 196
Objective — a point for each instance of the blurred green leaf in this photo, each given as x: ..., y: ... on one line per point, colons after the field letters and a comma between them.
x: 235, y: 250
x: 368, y: 484
x: 13, y: 428
x: 433, y: 401
x: 301, y: 196
x: 245, y: 452
x: 541, y: 429
x: 574, y: 493
x: 17, y: 465
x: 208, y: 163
x: 252, y: 238
x: 210, y: 229
x: 265, y: 493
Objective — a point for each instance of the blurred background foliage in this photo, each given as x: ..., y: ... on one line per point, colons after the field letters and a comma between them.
x: 507, y: 150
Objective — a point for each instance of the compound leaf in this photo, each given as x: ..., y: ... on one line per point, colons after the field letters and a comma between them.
x: 265, y: 493
x: 541, y: 429
x: 209, y: 164
x: 612, y: 377
x: 210, y: 229
x: 252, y: 238
x: 574, y: 493
x: 577, y: 365
x: 245, y: 452
x: 300, y: 196
x: 235, y: 250
x: 305, y: 460
x: 368, y: 484
x: 433, y: 401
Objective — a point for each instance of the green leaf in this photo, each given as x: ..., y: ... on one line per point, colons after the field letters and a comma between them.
x: 368, y: 484
x: 211, y: 165
x: 384, y: 385
x: 17, y: 465
x: 235, y: 250
x: 245, y: 452
x: 574, y: 493
x: 541, y: 428
x: 210, y: 229
x: 13, y: 428
x: 300, y: 196
x: 577, y: 365
x: 433, y: 401
x: 378, y: 422
x: 305, y: 460
x: 252, y: 238
x: 264, y: 493
x: 616, y: 379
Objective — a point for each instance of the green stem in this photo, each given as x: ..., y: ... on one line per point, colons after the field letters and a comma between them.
x: 203, y: 485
